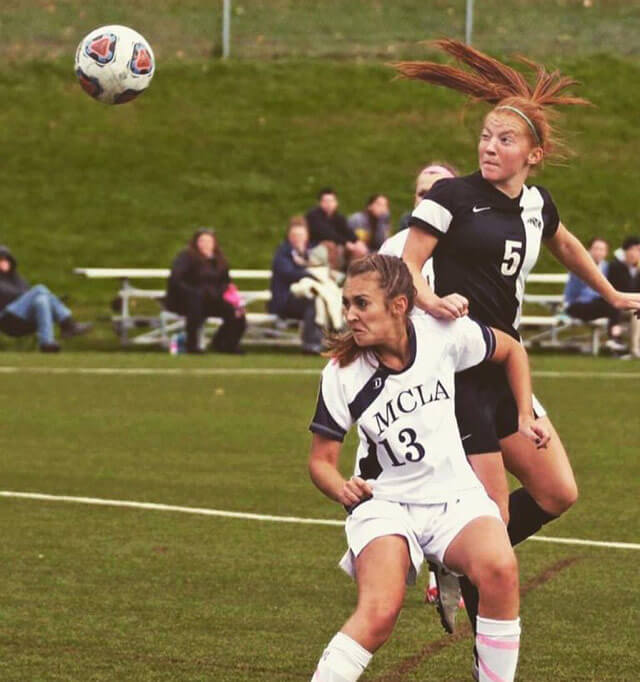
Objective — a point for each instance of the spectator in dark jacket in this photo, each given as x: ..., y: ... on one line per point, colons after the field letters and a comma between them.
x: 624, y: 275
x: 25, y: 310
x: 624, y: 269
x: 328, y: 227
x: 289, y: 266
x: 200, y: 287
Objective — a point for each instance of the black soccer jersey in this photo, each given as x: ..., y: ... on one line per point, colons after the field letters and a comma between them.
x: 487, y: 243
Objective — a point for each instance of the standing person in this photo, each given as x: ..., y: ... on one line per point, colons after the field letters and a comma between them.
x: 484, y: 232
x: 26, y: 309
x: 329, y: 227
x: 290, y: 265
x: 199, y: 287
x: 583, y: 303
x: 413, y: 494
x: 372, y: 225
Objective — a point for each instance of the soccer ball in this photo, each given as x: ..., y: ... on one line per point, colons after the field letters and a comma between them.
x: 114, y: 64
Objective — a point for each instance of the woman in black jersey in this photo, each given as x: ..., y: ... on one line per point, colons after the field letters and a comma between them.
x: 484, y: 233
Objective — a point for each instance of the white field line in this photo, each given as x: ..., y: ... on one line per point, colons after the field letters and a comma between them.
x: 260, y: 517
x: 266, y: 371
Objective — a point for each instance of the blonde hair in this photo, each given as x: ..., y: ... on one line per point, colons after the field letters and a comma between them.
x: 491, y: 81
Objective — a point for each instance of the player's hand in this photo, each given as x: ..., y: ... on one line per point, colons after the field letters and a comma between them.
x: 355, y: 490
x: 533, y: 430
x: 448, y: 307
x: 627, y: 301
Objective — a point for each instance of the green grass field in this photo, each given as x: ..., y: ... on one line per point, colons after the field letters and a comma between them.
x: 105, y: 593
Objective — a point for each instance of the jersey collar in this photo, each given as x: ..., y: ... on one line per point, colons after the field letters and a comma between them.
x: 385, y: 371
x: 498, y: 199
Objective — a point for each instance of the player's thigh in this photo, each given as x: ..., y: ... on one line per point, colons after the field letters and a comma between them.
x: 546, y: 473
x: 489, y: 468
x: 381, y: 572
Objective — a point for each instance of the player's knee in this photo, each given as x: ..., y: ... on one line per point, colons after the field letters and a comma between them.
x: 561, y: 498
x: 40, y: 290
x: 504, y: 511
x: 499, y: 575
x: 381, y: 618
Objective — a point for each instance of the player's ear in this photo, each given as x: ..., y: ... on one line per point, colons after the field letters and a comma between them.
x: 400, y: 306
x: 535, y: 156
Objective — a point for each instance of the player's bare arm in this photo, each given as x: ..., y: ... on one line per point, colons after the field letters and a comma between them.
x: 418, y: 249
x: 514, y: 357
x: 323, y: 469
x: 568, y: 249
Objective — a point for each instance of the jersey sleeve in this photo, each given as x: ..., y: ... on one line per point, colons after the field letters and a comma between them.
x: 472, y: 342
x: 435, y: 212
x: 332, y: 418
x: 550, y: 216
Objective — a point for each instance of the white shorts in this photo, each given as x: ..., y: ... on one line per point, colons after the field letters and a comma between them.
x: 428, y: 528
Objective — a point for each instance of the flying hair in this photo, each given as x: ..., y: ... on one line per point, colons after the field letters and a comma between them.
x: 489, y: 80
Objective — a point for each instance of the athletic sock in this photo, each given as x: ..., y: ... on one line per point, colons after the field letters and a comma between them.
x: 526, y: 516
x: 344, y: 660
x: 498, y: 645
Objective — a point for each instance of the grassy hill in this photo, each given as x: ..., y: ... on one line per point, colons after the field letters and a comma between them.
x: 245, y: 144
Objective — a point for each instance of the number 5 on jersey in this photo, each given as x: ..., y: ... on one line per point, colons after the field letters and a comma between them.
x: 512, y: 257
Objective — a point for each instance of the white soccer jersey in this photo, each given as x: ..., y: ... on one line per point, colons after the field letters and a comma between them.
x: 410, y: 449
x: 394, y: 246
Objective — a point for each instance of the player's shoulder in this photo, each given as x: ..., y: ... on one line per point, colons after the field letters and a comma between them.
x: 394, y: 245
x: 350, y: 377
x: 428, y: 326
x: 541, y: 191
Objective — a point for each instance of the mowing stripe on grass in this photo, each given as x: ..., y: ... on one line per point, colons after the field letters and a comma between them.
x: 203, y: 511
x: 266, y: 371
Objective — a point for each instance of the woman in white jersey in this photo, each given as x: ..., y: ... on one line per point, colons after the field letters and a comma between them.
x: 413, y: 494
x: 483, y: 233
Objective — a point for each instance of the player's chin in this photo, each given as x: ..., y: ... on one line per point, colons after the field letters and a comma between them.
x: 362, y: 338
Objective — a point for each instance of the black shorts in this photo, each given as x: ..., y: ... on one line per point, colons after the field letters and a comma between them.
x: 485, y: 408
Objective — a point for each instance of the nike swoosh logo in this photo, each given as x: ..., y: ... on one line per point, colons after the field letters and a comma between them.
x: 484, y: 208
x: 467, y: 436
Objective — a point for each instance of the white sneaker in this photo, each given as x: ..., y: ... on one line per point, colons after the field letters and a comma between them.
x: 615, y: 346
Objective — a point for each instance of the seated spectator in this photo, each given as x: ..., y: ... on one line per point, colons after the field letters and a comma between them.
x: 624, y: 275
x: 26, y: 310
x: 583, y: 303
x: 289, y: 265
x: 200, y: 287
x: 372, y: 224
x: 425, y: 179
x: 328, y: 227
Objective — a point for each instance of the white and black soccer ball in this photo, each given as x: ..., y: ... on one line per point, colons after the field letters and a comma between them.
x: 114, y: 64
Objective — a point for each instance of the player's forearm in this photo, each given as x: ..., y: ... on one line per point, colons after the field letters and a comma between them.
x: 327, y: 478
x: 425, y: 298
x: 516, y: 367
x: 571, y: 253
